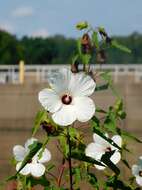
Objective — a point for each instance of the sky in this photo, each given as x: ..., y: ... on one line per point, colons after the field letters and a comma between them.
x: 49, y: 17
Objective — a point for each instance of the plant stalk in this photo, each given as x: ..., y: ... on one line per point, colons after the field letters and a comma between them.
x: 69, y: 159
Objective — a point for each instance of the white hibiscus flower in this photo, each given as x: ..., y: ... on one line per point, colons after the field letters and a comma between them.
x: 137, y: 171
x: 100, y: 146
x: 35, y: 166
x: 67, y: 99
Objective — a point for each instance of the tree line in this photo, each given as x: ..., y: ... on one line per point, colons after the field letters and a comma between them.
x: 59, y: 49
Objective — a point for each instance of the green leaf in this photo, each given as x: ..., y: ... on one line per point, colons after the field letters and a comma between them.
x: 101, y: 29
x: 40, y: 116
x: 82, y: 25
x: 107, y: 77
x: 38, y: 181
x: 64, y: 145
x: 126, y: 163
x: 93, y: 180
x: 77, y: 176
x: 95, y: 39
x: 13, y: 177
x: 110, y: 120
x: 106, y: 160
x: 75, y: 58
x: 83, y: 157
x: 79, y: 47
x: 102, y: 87
x: 117, y: 184
x: 34, y: 148
x: 100, y: 110
x: 115, y: 44
x: 101, y: 134
x: 127, y: 134
x: 86, y: 58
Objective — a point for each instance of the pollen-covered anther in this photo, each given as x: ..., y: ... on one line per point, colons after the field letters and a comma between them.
x: 66, y: 99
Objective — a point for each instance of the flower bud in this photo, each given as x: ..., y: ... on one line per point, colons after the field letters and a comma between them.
x: 108, y: 40
x: 47, y: 127
x: 82, y: 25
x: 86, y: 44
x: 101, y: 56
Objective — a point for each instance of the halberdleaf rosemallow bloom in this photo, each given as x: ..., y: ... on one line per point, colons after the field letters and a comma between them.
x: 35, y: 167
x: 68, y: 98
x: 100, y: 146
x: 137, y: 171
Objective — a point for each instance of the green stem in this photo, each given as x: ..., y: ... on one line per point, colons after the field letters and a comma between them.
x: 69, y: 159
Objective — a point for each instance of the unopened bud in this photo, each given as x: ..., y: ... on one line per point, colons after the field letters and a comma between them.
x: 86, y: 44
x: 108, y: 40
x: 47, y: 127
x: 101, y: 56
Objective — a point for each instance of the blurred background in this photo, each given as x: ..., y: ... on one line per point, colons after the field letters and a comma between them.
x: 43, y: 35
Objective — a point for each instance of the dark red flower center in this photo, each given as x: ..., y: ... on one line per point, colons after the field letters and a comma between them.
x: 66, y: 99
x: 29, y: 161
x: 108, y: 149
x: 140, y: 173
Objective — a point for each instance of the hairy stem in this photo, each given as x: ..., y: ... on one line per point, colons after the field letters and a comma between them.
x: 69, y: 159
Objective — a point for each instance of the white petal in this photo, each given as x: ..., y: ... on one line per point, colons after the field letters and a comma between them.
x: 135, y: 170
x: 29, y: 142
x: 65, y: 116
x: 94, y: 150
x: 82, y: 85
x: 118, y: 140
x: 50, y: 100
x: 99, y: 140
x: 37, y: 170
x: 60, y: 81
x: 100, y: 167
x: 46, y: 156
x: 19, y: 152
x: 84, y: 108
x: 25, y: 170
x: 115, y: 158
x: 139, y: 180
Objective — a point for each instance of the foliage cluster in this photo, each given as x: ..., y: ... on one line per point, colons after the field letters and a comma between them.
x: 59, y: 49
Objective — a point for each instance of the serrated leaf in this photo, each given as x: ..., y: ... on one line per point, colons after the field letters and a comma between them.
x: 115, y: 44
x: 38, y: 119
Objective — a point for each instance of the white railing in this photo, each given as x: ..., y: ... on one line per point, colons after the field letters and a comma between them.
x: 10, y: 73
